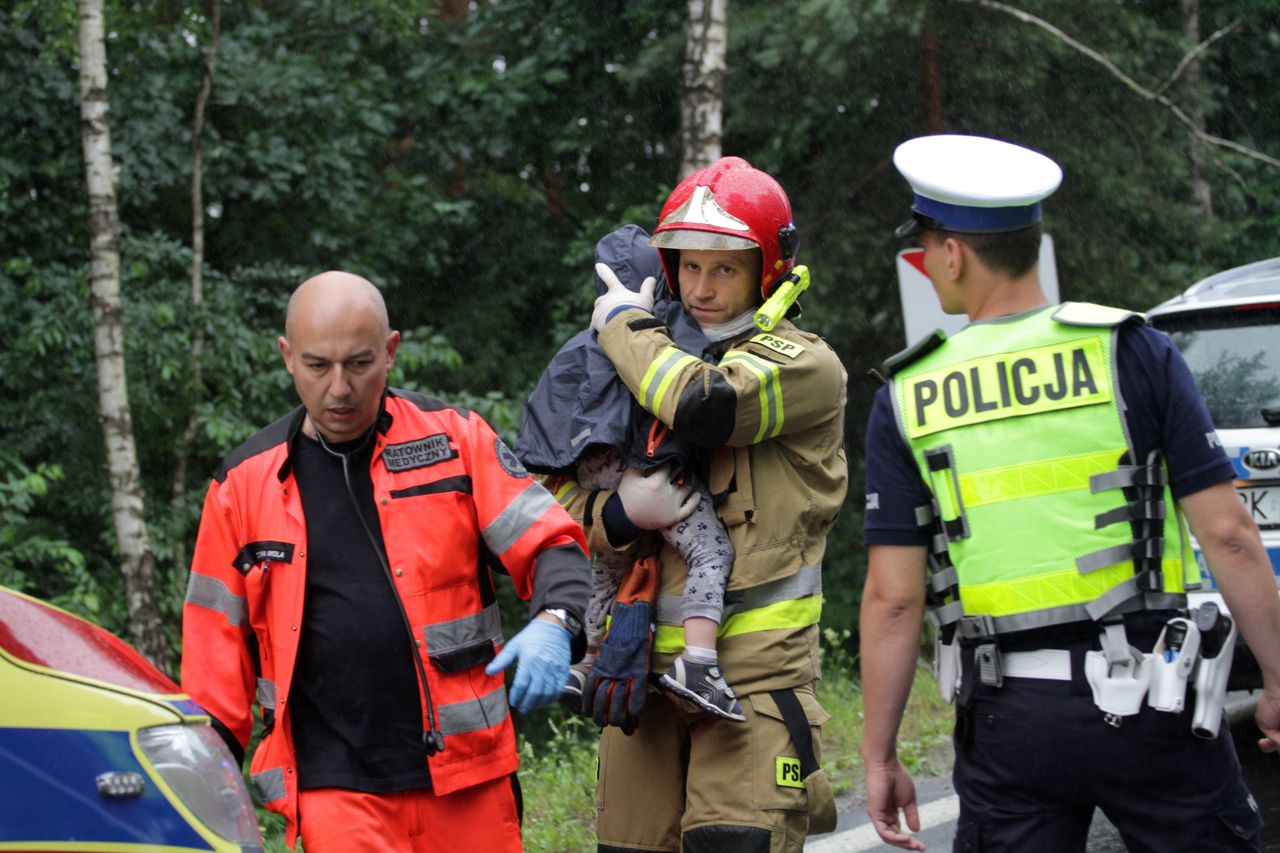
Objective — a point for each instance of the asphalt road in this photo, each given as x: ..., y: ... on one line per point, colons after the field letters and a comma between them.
x: 939, y: 807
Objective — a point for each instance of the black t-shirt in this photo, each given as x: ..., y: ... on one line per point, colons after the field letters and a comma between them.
x: 356, y: 715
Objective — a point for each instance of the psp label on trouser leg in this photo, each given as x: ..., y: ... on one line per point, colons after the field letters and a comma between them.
x: 788, y: 772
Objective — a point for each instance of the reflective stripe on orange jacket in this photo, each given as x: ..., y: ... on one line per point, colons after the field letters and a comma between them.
x: 449, y: 496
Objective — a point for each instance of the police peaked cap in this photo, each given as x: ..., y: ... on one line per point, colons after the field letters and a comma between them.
x: 973, y: 185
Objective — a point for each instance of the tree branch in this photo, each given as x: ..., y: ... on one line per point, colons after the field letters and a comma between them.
x: 1129, y: 82
x: 1194, y: 54
x: 179, y: 489
x: 1237, y: 177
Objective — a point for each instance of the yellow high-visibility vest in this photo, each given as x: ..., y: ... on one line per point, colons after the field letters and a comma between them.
x: 1046, y: 515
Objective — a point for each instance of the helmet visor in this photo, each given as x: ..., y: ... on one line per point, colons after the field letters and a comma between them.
x: 687, y: 238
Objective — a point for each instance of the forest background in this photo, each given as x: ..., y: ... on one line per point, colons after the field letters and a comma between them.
x: 466, y: 157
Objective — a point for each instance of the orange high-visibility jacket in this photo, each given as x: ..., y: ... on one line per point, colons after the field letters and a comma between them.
x: 450, y: 496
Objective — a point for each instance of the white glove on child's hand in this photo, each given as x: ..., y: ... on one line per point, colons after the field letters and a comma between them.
x: 618, y: 296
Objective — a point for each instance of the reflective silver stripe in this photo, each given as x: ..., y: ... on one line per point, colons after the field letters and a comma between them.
x: 1105, y: 557
x: 204, y: 591
x: 268, y: 785
x: 1116, y: 479
x: 1101, y: 606
x: 944, y: 579
x: 521, y: 514
x: 445, y: 637
x: 948, y: 613
x: 266, y: 693
x: 974, y: 627
x: 473, y: 714
x: 770, y: 391
x: 1120, y: 599
x: 659, y: 376
x: 806, y: 582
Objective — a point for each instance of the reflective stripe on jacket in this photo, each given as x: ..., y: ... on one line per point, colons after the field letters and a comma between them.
x: 450, y: 497
x: 1042, y: 515
x: 772, y: 412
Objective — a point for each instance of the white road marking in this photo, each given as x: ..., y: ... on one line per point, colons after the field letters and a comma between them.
x: 864, y: 837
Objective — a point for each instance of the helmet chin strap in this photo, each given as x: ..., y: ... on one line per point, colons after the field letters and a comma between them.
x: 731, y: 329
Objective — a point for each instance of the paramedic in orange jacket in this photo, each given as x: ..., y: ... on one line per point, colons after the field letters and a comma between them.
x: 342, y: 579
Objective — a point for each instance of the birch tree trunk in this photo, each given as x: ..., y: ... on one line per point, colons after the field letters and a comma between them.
x: 702, y: 104
x: 136, y: 559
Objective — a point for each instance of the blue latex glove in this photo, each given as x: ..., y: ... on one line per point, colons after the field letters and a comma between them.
x: 614, y: 694
x: 542, y: 648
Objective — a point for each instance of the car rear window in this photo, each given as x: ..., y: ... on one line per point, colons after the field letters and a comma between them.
x: 1234, y: 353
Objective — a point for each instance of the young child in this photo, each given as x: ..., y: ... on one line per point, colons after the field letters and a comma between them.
x: 582, y: 421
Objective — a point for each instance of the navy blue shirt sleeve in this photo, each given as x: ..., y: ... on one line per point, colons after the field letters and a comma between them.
x: 894, y: 486
x: 1165, y: 411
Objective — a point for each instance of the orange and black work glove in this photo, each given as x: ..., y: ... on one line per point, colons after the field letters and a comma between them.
x: 614, y: 693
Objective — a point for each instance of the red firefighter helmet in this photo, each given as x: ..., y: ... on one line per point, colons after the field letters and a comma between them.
x: 728, y: 205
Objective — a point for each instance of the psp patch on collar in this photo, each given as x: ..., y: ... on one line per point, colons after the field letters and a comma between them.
x: 788, y: 772
x: 419, y: 453
x: 508, y: 460
x: 790, y: 349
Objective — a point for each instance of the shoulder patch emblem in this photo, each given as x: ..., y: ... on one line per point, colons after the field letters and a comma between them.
x: 419, y: 453
x: 781, y: 346
x: 508, y: 460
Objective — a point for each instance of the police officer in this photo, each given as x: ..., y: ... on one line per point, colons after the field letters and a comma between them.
x: 1027, y: 481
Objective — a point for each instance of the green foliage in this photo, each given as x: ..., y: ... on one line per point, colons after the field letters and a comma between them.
x: 32, y: 553
x: 924, y: 740
x: 839, y: 694
x: 558, y: 781
x: 469, y: 165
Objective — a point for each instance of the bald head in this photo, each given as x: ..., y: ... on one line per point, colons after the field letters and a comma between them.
x: 338, y: 347
x: 334, y: 294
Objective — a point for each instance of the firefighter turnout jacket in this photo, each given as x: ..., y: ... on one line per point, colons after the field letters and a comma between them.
x: 1019, y: 422
x: 771, y: 412
x: 452, y: 500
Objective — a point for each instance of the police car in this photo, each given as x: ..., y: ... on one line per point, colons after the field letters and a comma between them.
x: 100, y: 751
x: 1227, y: 327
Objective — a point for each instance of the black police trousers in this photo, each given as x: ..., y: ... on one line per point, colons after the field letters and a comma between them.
x: 1034, y: 757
